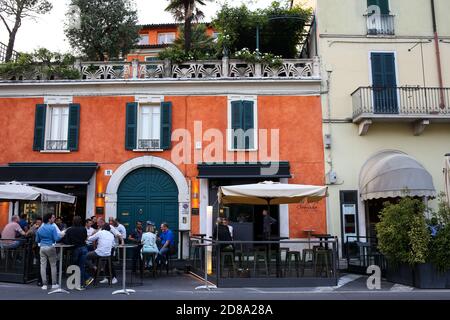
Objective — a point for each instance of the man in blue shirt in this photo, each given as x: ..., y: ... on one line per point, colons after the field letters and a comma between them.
x: 167, y: 242
x: 46, y: 237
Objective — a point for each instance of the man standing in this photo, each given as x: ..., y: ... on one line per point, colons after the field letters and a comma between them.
x: 76, y: 236
x: 226, y: 223
x: 9, y: 234
x: 119, y: 227
x: 136, y: 237
x: 268, y: 221
x: 46, y: 237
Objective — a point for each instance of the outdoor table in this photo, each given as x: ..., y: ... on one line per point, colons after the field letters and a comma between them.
x: 124, y: 290
x: 207, y: 285
x: 61, y: 249
x: 323, y: 237
x: 309, y: 232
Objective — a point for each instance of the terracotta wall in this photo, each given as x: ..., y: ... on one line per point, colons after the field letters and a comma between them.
x: 4, y: 213
x: 102, y: 139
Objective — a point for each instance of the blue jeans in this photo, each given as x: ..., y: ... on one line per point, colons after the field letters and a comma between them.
x: 162, y: 255
x: 79, y: 257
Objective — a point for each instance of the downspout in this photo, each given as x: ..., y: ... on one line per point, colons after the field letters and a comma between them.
x: 438, y: 57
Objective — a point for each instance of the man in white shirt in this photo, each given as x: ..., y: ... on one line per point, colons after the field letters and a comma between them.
x: 114, y: 223
x: 105, y: 238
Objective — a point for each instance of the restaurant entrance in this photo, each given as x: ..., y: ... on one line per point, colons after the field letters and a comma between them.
x: 247, y: 220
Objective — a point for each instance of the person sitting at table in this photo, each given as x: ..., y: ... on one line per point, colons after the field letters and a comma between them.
x: 167, y: 245
x: 60, y: 224
x: 222, y: 233
x: 105, y: 243
x: 9, y: 234
x: 77, y: 236
x: 226, y: 223
x: 90, y: 231
x: 149, y: 246
x: 46, y: 237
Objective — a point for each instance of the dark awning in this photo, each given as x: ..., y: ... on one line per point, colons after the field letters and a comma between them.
x: 246, y: 170
x: 48, y: 173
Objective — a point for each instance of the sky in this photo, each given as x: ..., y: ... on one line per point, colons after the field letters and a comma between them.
x: 48, y: 30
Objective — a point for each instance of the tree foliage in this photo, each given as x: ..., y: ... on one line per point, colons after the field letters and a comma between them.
x: 16, y: 11
x: 41, y: 64
x: 403, y: 235
x: 107, y: 29
x: 202, y: 46
x: 186, y: 11
x: 280, y: 28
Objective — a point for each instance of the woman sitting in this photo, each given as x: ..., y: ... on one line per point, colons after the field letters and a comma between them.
x: 149, y: 247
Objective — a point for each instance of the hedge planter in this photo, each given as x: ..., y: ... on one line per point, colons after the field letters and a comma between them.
x: 400, y: 273
x: 422, y: 276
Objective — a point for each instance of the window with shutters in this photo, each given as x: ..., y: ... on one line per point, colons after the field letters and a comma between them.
x: 380, y: 21
x: 149, y: 127
x: 57, y: 128
x: 242, y: 123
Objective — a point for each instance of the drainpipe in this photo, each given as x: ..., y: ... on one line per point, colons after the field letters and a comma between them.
x: 438, y: 56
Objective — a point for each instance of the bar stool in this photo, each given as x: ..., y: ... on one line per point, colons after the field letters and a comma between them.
x: 153, y: 257
x: 322, y: 259
x: 260, y: 255
x: 101, y: 262
x: 297, y: 260
x: 307, y: 259
x: 223, y: 256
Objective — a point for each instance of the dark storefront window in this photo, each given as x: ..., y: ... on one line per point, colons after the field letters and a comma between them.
x: 66, y: 211
x: 247, y: 220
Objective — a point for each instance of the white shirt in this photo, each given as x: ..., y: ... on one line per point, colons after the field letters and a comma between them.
x: 122, y: 231
x: 116, y: 233
x: 105, y: 242
x: 231, y: 231
x: 90, y: 231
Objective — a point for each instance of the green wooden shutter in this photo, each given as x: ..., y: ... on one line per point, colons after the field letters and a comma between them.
x: 248, y: 121
x: 39, y: 127
x: 237, y: 118
x: 131, y: 126
x: 74, y: 126
x: 383, y: 4
x: 166, y: 125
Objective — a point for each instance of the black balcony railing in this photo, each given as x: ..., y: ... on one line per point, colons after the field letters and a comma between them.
x: 401, y: 101
x: 149, y: 144
x: 56, y: 145
x: 380, y: 24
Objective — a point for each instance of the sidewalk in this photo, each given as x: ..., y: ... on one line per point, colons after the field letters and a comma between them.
x: 182, y: 287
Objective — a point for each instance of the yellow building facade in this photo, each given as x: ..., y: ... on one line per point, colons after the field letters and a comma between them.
x: 384, y: 105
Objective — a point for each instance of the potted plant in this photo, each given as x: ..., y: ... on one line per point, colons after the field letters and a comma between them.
x: 416, y: 248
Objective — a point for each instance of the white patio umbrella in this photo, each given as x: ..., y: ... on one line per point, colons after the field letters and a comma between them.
x: 271, y: 193
x: 17, y: 191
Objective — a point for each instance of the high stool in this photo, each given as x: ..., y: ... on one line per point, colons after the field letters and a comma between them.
x: 223, y: 256
x: 296, y: 256
x: 153, y: 257
x: 322, y: 259
x: 260, y: 254
x: 283, y: 262
x: 308, y: 259
x: 101, y: 262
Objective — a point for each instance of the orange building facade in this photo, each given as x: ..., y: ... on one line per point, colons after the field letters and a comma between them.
x: 158, y: 150
x: 156, y: 37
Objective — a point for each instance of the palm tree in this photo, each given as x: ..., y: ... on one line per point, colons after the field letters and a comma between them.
x: 187, y: 11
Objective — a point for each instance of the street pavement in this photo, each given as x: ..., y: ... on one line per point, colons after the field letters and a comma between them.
x: 179, y: 286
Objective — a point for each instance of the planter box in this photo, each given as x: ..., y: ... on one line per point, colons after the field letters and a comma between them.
x: 422, y: 276
x: 400, y: 273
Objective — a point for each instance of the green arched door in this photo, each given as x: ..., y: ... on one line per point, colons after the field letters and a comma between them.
x: 148, y: 194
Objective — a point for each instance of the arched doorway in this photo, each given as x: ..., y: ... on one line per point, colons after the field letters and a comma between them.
x: 148, y: 194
